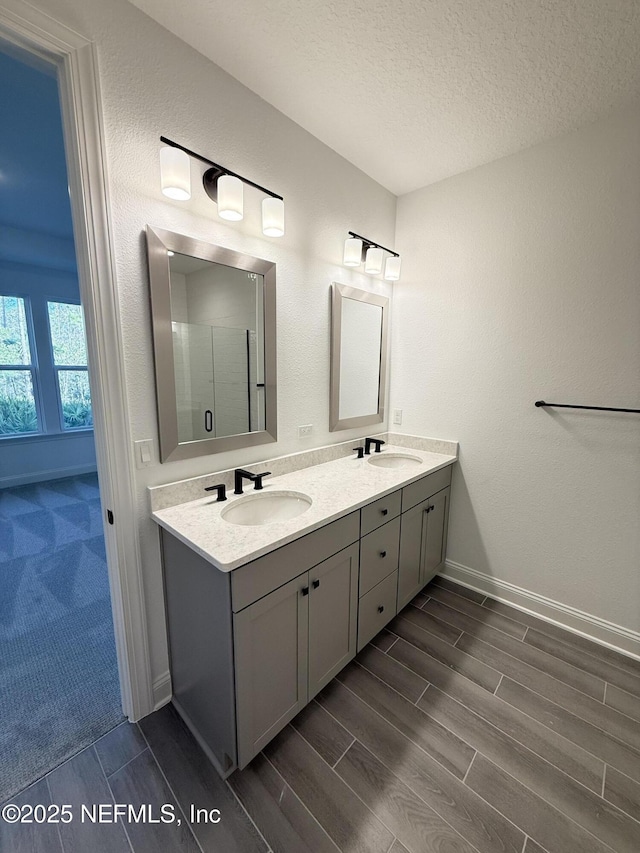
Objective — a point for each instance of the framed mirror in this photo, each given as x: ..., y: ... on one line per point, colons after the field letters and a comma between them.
x: 359, y: 325
x: 214, y: 338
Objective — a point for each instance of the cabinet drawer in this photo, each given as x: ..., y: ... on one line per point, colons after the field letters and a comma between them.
x: 379, y: 554
x: 376, y: 608
x: 261, y: 576
x: 380, y: 511
x: 424, y: 488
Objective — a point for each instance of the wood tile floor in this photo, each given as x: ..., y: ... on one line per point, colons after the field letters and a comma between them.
x: 467, y: 727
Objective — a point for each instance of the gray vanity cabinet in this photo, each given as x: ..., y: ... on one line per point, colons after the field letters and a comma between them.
x: 436, y: 534
x: 289, y: 644
x: 333, y: 615
x: 251, y: 647
x: 271, y: 645
x: 423, y: 539
x: 411, y: 566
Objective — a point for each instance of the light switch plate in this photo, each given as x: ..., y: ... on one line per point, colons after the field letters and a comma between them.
x: 143, y: 452
x: 397, y: 416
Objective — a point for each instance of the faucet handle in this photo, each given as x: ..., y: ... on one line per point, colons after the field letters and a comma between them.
x: 360, y: 452
x: 259, y: 478
x: 220, y: 489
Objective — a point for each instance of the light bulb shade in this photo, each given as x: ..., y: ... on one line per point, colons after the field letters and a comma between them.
x: 392, y: 268
x: 175, y: 173
x: 272, y: 217
x: 352, y: 252
x: 230, y: 198
x: 373, y: 261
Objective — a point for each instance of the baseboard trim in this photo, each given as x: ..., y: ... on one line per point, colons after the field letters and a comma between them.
x: 43, y: 476
x: 162, y: 690
x: 587, y: 625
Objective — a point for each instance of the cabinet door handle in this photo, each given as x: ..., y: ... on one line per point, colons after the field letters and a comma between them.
x: 428, y: 509
x: 384, y: 511
x: 381, y: 609
x: 383, y: 553
x: 316, y: 584
x: 431, y: 508
x: 305, y: 590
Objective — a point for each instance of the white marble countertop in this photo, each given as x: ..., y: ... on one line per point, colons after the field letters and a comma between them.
x: 336, y: 488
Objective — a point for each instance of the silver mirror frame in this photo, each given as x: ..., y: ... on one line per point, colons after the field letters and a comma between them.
x: 339, y: 292
x: 159, y: 243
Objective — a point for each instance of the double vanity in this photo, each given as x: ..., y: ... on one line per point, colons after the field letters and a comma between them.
x: 271, y: 593
x: 276, y: 576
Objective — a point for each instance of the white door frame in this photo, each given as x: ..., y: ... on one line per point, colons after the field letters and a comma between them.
x: 75, y: 57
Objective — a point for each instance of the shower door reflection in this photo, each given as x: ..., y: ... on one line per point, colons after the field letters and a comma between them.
x: 217, y: 331
x: 218, y: 388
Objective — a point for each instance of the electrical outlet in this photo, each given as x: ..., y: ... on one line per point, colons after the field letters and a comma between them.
x: 397, y: 416
x: 304, y: 431
x: 143, y: 452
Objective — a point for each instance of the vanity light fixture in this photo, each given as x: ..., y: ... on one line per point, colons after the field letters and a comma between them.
x: 392, y: 268
x: 272, y: 217
x: 358, y: 249
x: 224, y: 187
x: 230, y: 194
x: 175, y: 173
x: 352, y: 252
x: 373, y: 261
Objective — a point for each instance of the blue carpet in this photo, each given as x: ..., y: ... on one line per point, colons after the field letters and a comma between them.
x: 59, y: 687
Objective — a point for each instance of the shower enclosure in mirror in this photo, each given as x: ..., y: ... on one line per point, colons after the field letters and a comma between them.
x: 359, y: 322
x: 214, y: 341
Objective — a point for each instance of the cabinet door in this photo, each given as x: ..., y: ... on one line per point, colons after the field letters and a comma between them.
x: 413, y: 535
x: 333, y: 613
x: 435, y: 544
x: 271, y: 649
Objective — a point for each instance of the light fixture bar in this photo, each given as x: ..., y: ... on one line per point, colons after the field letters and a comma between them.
x: 368, y: 243
x: 221, y: 169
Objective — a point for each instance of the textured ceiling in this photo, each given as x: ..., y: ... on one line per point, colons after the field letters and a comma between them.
x: 413, y: 91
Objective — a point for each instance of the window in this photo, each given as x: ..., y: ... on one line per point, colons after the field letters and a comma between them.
x: 69, y: 350
x: 18, y: 412
x: 42, y: 343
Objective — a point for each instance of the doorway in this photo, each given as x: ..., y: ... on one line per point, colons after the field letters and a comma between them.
x: 59, y: 683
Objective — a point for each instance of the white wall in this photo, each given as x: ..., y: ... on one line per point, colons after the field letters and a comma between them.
x: 521, y: 282
x: 153, y: 84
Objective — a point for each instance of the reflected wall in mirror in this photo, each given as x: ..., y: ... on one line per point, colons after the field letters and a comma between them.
x: 359, y: 322
x: 214, y: 342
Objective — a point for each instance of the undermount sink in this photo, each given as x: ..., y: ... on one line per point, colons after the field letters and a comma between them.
x: 266, y: 508
x: 394, y: 460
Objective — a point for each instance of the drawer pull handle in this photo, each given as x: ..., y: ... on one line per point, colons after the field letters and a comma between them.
x: 316, y: 584
x: 305, y: 590
x: 384, y: 511
x: 383, y: 553
x: 381, y: 609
